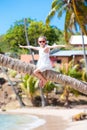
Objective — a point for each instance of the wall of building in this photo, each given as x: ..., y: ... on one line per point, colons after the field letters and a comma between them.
x: 58, y: 59
x: 28, y: 58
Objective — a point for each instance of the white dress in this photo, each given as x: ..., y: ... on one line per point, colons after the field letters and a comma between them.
x: 44, y: 62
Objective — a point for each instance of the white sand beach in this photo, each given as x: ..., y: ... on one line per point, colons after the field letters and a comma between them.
x: 56, y: 119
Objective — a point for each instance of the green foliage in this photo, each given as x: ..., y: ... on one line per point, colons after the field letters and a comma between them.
x: 49, y: 87
x: 0, y: 50
x: 80, y: 10
x: 75, y: 92
x: 3, y: 45
x: 75, y: 15
x: 84, y: 75
x: 38, y: 28
x: 29, y: 85
x: 74, y: 70
x: 34, y: 30
x: 75, y: 74
x: 12, y: 73
x: 16, y: 35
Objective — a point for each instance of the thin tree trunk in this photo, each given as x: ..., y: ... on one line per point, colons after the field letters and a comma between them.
x: 84, y: 52
x: 51, y: 75
x: 28, y: 43
x: 17, y: 96
x: 42, y: 97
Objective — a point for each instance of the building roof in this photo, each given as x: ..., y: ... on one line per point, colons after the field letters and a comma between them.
x: 68, y: 53
x: 77, y: 40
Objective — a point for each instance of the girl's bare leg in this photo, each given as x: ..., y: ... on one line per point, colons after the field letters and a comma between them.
x: 41, y: 84
x: 38, y: 74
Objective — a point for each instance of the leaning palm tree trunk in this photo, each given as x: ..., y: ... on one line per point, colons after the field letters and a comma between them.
x: 51, y: 75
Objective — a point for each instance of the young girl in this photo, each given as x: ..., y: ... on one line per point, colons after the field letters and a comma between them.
x: 44, y: 62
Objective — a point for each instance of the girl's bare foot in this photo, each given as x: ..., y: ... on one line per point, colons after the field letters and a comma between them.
x: 44, y: 82
x: 40, y: 83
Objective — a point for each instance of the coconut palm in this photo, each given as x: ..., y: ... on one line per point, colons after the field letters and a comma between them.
x: 75, y: 13
x: 51, y: 75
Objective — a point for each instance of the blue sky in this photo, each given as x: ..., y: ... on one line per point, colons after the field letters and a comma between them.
x: 12, y: 10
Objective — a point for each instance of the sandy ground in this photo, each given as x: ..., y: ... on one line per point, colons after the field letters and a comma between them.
x: 56, y: 119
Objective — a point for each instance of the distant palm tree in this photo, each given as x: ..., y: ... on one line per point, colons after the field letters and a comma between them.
x: 80, y: 10
x: 51, y: 75
x: 75, y: 14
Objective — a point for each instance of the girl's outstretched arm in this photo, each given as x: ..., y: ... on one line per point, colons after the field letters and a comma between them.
x: 47, y: 48
x: 56, y: 46
x: 29, y: 47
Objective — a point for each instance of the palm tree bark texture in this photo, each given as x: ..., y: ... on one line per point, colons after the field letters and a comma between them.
x: 23, y: 67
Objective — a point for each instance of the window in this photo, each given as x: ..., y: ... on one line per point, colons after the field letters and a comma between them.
x: 59, y: 61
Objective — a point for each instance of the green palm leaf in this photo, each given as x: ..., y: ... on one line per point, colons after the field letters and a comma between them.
x: 76, y: 14
x: 58, y: 7
x: 80, y: 10
x: 67, y: 23
x: 55, y: 2
x: 50, y: 16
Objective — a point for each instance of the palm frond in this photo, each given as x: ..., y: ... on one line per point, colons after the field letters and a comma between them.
x: 84, y: 76
x: 61, y: 10
x: 50, y: 16
x: 80, y: 11
x: 55, y: 2
x: 57, y: 7
x: 67, y: 22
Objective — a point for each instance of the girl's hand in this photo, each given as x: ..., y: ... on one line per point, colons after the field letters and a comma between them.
x: 66, y: 46
x: 59, y: 45
x: 63, y: 46
x: 54, y: 44
x: 20, y: 46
